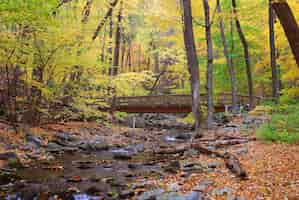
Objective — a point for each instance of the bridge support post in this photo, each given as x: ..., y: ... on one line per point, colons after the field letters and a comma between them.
x: 226, y: 109
x: 134, y: 122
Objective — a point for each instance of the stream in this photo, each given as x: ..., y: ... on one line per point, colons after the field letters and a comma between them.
x: 116, y: 165
x: 115, y: 173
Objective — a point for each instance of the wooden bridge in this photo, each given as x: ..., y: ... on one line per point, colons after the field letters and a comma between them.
x: 172, y: 103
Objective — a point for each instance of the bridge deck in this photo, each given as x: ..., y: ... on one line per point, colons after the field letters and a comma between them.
x: 171, y: 103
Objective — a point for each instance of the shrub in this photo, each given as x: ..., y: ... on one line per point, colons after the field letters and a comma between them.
x: 284, y: 125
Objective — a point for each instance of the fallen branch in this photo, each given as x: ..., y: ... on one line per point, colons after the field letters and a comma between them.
x: 231, y: 161
x: 223, y: 143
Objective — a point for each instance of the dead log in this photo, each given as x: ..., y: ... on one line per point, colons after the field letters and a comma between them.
x: 234, y: 165
x: 223, y: 143
x: 226, y: 138
x: 177, y: 150
x: 231, y: 161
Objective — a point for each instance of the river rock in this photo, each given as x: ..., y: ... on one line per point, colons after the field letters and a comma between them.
x: 125, y: 194
x: 242, y: 151
x: 137, y: 148
x: 33, y: 141
x: 94, y: 145
x: 183, y: 136
x: 203, y: 185
x: 11, y: 159
x: 213, y: 165
x: 8, y: 155
x: 191, y: 152
x: 65, y: 137
x: 53, y: 147
x: 193, y: 167
x: 172, y: 167
x: 122, y: 154
x: 223, y: 191
x: 151, y: 195
x: 173, y: 187
x: 159, y: 194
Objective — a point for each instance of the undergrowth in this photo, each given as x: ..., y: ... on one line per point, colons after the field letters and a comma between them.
x: 284, y: 124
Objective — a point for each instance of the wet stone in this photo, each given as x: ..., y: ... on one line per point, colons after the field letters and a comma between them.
x: 126, y: 194
x: 242, y: 151
x: 203, y: 185
x: 65, y: 136
x: 193, y: 167
x: 122, y: 154
x: 93, y: 190
x: 191, y: 152
x: 174, y: 187
x: 35, y: 141
x: 172, y: 167
x: 213, y: 165
x: 223, y: 191
x: 183, y: 136
x: 151, y: 195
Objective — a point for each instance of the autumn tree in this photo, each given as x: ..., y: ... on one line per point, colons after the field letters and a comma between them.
x: 246, y: 54
x: 290, y: 26
x: 275, y: 76
x: 209, y: 63
x: 192, y: 62
x: 228, y: 58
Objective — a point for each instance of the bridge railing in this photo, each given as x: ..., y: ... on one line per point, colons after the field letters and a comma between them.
x: 173, y: 102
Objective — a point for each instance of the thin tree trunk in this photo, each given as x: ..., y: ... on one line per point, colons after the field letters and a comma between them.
x: 123, y: 53
x: 148, y: 63
x: 139, y: 58
x: 128, y: 59
x: 8, y: 93
x: 156, y: 59
x: 192, y: 61
x: 103, y: 45
x: 117, y: 41
x: 103, y: 21
x: 275, y: 79
x: 246, y: 54
x: 209, y: 64
x: 289, y: 25
x: 110, y: 44
x: 228, y: 59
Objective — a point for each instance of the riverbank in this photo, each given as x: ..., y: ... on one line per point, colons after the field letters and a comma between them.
x: 122, y: 163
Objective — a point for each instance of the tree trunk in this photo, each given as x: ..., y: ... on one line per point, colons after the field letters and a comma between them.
x: 209, y: 64
x: 103, y: 45
x: 148, y: 63
x: 246, y: 54
x: 128, y: 59
x: 192, y: 61
x: 117, y: 41
x: 228, y: 59
x: 103, y: 21
x: 139, y: 58
x: 123, y: 53
x: 289, y: 25
x: 156, y: 60
x: 110, y: 44
x: 275, y: 78
x: 36, y: 95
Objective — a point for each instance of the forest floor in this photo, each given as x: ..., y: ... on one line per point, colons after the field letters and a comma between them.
x: 273, y: 169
